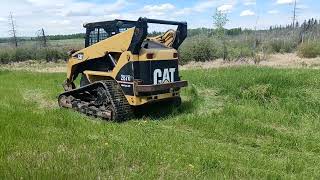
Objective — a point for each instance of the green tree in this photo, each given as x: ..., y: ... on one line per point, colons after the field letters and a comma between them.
x: 220, y: 19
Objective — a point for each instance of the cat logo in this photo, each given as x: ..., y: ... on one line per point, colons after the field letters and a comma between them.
x: 166, y: 76
x: 80, y: 56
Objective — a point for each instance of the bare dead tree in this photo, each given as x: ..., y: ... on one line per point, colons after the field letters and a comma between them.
x: 13, y: 30
x: 44, y: 38
x: 294, y: 14
x: 296, y: 31
x: 41, y: 38
x: 256, y: 33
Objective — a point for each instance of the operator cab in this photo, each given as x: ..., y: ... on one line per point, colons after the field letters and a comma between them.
x: 98, y: 31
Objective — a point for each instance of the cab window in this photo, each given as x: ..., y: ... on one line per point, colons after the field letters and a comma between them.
x: 96, y: 35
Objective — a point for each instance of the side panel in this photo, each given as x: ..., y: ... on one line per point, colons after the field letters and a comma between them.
x: 118, y: 43
x: 125, y: 78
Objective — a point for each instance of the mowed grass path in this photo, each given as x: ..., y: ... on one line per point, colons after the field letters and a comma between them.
x: 234, y: 123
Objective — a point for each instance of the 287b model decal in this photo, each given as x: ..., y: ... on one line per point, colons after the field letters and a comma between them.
x: 127, y: 78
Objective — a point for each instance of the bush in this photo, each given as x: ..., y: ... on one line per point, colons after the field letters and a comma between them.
x: 199, y: 48
x: 281, y: 46
x: 309, y: 50
x: 9, y: 55
x: 203, y: 48
x: 5, y: 57
x: 239, y: 52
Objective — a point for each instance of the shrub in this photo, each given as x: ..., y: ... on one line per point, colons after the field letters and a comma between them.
x: 199, y: 48
x: 260, y: 56
x: 22, y: 54
x: 54, y: 55
x: 309, y: 50
x: 203, y: 48
x: 238, y: 53
x: 281, y: 46
x: 9, y: 55
x: 5, y: 57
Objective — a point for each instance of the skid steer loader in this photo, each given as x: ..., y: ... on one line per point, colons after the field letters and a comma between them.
x: 122, y: 68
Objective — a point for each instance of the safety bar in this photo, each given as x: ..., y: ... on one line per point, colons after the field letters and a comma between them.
x: 157, y: 21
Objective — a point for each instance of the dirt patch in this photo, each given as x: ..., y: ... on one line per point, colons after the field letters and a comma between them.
x: 36, y: 66
x: 37, y: 96
x: 290, y: 60
x: 212, y: 64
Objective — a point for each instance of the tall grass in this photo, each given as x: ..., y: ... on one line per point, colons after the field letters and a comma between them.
x: 234, y: 123
x: 309, y: 49
x: 281, y: 45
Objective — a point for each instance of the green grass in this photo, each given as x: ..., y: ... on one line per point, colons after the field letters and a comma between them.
x: 234, y: 123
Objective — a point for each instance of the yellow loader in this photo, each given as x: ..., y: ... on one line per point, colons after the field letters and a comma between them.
x: 122, y: 68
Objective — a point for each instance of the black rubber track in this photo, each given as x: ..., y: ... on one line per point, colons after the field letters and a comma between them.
x: 121, y: 110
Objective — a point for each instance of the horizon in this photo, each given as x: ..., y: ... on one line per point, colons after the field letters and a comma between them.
x: 65, y: 17
x: 243, y: 29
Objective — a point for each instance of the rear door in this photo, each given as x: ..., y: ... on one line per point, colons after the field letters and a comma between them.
x: 156, y: 72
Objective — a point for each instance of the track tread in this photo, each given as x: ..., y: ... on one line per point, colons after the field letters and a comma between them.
x: 115, y: 97
x: 122, y: 108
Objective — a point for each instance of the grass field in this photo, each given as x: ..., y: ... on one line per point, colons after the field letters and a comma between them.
x: 241, y: 123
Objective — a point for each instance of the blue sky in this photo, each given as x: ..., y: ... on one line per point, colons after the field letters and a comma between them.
x: 67, y: 16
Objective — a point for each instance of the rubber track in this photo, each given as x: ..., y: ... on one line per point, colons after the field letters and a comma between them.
x: 122, y: 109
x: 121, y: 106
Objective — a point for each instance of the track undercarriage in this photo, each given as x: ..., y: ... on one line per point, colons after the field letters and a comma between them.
x: 103, y: 99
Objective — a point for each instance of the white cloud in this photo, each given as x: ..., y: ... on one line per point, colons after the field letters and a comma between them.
x: 49, y: 3
x: 184, y: 11
x: 78, y: 9
x: 63, y: 22
x: 225, y: 8
x: 205, y: 5
x: 56, y: 16
x: 285, y: 1
x: 158, y: 8
x: 112, y: 16
x: 93, y: 9
x: 71, y: 13
x: 249, y: 2
x: 247, y: 13
x: 117, y: 6
x: 273, y: 12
